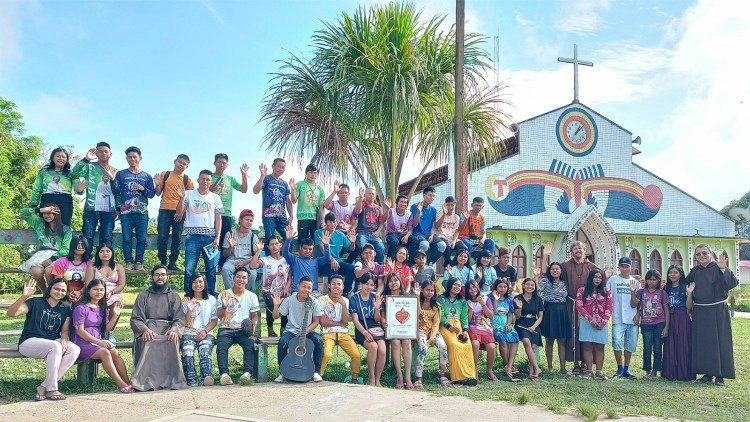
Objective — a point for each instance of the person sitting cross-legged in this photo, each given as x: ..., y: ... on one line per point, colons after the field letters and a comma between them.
x: 238, y: 306
x: 294, y: 307
x: 334, y: 327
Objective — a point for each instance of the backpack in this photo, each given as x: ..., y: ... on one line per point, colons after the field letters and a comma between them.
x: 185, y: 179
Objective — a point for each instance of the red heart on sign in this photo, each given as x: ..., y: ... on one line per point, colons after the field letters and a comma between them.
x: 402, y: 315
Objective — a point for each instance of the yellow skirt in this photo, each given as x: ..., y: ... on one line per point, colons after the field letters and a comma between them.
x: 460, y: 355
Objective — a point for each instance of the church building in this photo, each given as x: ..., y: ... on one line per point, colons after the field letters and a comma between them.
x: 567, y: 175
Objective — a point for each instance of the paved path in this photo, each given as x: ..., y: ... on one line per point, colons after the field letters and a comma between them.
x: 277, y: 402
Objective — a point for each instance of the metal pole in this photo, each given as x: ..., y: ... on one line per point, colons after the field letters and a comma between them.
x: 459, y: 147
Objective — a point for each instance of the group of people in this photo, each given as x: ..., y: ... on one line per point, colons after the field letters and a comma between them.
x: 478, y: 307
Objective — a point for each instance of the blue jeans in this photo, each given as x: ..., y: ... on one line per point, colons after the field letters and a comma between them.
x: 139, y: 223
x: 106, y: 222
x: 228, y: 337
x: 317, y: 340
x: 346, y: 270
x: 164, y: 225
x: 450, y: 253
x: 473, y: 246
x: 393, y: 241
x: 272, y: 226
x: 433, y: 250
x: 375, y: 241
x: 189, y: 343
x: 652, y: 343
x: 193, y: 249
x: 226, y: 227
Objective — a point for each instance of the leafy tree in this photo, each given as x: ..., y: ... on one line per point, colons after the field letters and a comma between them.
x: 378, y: 90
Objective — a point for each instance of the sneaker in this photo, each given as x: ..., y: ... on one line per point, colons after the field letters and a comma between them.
x: 225, y: 380
x: 629, y: 375
x: 138, y: 266
x: 246, y: 379
x: 280, y: 378
x: 208, y: 381
x: 317, y: 377
x: 617, y: 374
x: 173, y: 267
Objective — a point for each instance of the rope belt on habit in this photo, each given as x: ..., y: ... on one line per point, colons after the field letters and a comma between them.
x: 710, y: 304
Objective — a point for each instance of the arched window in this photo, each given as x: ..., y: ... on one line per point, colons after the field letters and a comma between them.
x: 635, y: 266
x: 541, y: 261
x: 654, y: 261
x: 518, y: 260
x: 676, y: 258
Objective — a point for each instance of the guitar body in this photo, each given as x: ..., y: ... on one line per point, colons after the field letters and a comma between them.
x: 298, y: 364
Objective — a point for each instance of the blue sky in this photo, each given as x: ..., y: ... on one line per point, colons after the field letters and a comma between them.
x: 190, y: 76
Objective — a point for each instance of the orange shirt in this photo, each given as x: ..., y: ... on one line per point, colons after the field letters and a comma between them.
x: 174, y: 190
x: 474, y: 227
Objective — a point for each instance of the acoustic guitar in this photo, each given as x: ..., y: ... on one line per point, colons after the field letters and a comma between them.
x: 298, y: 364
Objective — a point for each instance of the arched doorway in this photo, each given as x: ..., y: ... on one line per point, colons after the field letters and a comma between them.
x: 598, y: 236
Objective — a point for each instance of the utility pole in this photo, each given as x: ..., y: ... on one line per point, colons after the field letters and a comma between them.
x: 461, y: 171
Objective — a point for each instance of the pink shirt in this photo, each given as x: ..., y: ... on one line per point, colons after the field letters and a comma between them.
x: 595, y: 308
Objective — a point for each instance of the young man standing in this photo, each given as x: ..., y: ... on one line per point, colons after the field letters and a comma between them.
x: 334, y: 327
x: 237, y: 305
x: 424, y: 217
x: 446, y: 229
x: 369, y: 222
x: 277, y: 202
x: 171, y: 186
x: 310, y: 196
x: 99, y: 208
x: 341, y: 208
x: 293, y: 307
x: 624, y: 330
x: 337, y: 242
x: 398, y: 225
x: 222, y: 185
x: 202, y: 209
x: 276, y: 279
x: 238, y: 249
x: 305, y: 265
x: 472, y: 230
x: 134, y: 188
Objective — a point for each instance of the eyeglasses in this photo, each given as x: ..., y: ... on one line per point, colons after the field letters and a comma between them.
x: 701, y: 253
x: 160, y: 274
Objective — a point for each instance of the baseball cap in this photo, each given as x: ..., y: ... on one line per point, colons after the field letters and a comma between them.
x: 624, y: 261
x: 246, y: 212
x: 420, y: 252
x: 368, y: 245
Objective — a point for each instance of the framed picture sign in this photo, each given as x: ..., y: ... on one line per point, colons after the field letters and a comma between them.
x: 402, y: 315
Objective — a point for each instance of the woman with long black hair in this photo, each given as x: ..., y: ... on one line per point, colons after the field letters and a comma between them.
x: 54, y: 185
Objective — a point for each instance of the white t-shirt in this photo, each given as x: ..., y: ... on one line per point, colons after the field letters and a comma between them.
x: 238, y: 308
x: 622, y: 313
x: 275, y: 274
x: 333, y: 311
x: 200, y: 211
x: 200, y: 312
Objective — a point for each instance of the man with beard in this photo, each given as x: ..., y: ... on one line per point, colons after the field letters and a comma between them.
x: 574, y: 272
x: 157, y: 323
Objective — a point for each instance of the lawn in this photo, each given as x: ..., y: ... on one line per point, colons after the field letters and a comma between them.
x: 611, y: 398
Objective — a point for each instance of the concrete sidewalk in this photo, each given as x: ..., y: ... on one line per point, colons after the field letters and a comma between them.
x: 277, y: 402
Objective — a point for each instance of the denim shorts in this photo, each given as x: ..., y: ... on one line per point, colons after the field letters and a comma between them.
x: 627, y: 333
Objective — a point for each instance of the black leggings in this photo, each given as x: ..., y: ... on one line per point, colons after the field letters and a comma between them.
x: 268, y: 298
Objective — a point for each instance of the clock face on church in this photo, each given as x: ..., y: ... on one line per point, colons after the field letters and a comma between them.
x: 576, y: 132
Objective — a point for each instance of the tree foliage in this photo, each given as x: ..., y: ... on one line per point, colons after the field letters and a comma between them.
x: 377, y: 92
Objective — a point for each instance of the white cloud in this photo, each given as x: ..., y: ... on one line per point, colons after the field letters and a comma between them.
x: 51, y: 113
x: 581, y: 16
x: 208, y: 4
x: 706, y: 130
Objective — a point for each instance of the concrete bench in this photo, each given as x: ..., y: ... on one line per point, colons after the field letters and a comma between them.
x: 86, y: 371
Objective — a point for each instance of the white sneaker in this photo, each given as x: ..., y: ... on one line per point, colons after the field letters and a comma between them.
x: 317, y: 377
x: 225, y: 380
x: 209, y: 381
x: 280, y: 378
x: 246, y: 379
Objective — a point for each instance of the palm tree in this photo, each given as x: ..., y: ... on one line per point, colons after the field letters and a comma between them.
x: 377, y: 91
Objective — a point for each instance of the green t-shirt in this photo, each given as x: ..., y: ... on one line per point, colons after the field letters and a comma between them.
x: 224, y: 186
x: 99, y: 193
x: 49, y: 240
x: 309, y: 198
x: 50, y: 181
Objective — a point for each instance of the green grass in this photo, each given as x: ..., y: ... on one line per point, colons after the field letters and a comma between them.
x: 558, y: 393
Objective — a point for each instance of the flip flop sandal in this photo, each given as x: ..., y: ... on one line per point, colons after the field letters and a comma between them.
x: 444, y: 381
x: 39, y: 397
x: 400, y: 386
x: 418, y: 385
x: 57, y: 397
